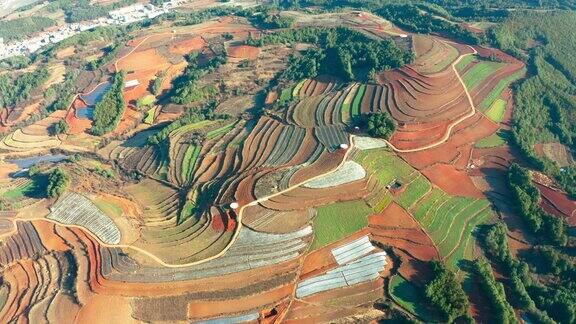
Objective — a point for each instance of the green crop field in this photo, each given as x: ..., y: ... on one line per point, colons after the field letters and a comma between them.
x: 338, y: 220
x: 464, y: 62
x: 409, y: 297
x: 496, y: 110
x: 502, y: 84
x: 355, y: 112
x: 495, y: 140
x: 220, y: 131
x: 415, y: 190
x: 465, y: 248
x: 297, y: 88
x: 386, y: 165
x: 20, y: 191
x: 480, y: 72
x: 450, y: 220
x: 189, y: 160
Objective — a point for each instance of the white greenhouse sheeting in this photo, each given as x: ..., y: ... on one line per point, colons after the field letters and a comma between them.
x: 131, y: 83
x: 368, y: 143
x: 364, y: 269
x: 353, y: 250
x: 350, y: 171
x: 232, y: 320
x: 250, y: 251
x: 75, y: 209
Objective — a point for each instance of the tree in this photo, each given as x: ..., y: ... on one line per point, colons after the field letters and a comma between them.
x: 58, y: 181
x: 380, y: 125
x: 446, y: 293
x: 61, y: 127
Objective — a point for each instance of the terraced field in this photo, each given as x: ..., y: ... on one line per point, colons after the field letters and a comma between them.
x: 266, y: 203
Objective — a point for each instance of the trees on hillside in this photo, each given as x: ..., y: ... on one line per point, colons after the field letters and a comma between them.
x: 380, y: 125
x: 58, y: 181
x: 345, y: 53
x: 19, y: 28
x: 503, y: 311
x: 446, y: 293
x: 551, y: 229
x: 109, y: 110
x: 14, y: 90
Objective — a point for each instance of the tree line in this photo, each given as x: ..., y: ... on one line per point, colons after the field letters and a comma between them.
x: 109, y: 110
x: 19, y: 28
x: 16, y: 89
x: 545, y: 102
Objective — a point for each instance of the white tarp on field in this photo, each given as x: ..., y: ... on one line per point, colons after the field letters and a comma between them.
x: 75, y: 209
x: 364, y: 269
x: 353, y: 250
x: 350, y: 171
x: 368, y: 143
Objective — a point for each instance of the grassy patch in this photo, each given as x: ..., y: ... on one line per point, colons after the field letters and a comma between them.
x: 495, y: 140
x: 107, y: 207
x: 338, y: 220
x: 480, y: 72
x: 386, y: 165
x: 496, y: 110
x: 220, y: 131
x: 415, y: 190
x: 150, y: 115
x: 147, y: 100
x: 409, y: 297
x: 285, y: 96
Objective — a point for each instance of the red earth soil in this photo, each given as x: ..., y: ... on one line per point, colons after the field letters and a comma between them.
x: 243, y: 52
x: 395, y: 227
x: 188, y: 45
x: 212, y: 308
x: 457, y: 146
x: 452, y: 181
x: 77, y: 125
x: 558, y: 203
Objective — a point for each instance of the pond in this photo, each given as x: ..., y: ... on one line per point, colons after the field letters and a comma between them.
x: 94, y: 96
x: 26, y: 163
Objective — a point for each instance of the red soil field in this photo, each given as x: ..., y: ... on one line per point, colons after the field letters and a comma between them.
x: 558, y: 203
x: 188, y: 45
x: 204, y: 309
x: 457, y: 146
x: 397, y: 228
x: 243, y: 52
x: 77, y: 125
x: 451, y: 180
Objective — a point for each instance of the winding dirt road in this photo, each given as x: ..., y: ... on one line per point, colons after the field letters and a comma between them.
x: 255, y: 202
x: 455, y: 123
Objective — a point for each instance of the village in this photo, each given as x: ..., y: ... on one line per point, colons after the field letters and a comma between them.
x: 122, y: 16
